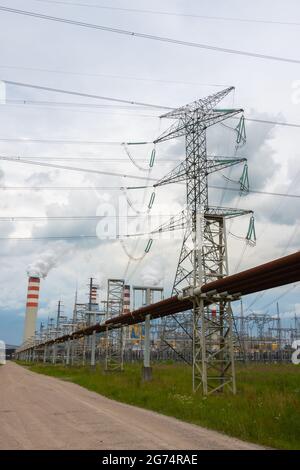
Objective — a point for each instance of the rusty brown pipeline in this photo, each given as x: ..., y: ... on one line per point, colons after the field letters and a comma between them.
x: 276, y: 273
x: 243, y: 287
x: 286, y: 261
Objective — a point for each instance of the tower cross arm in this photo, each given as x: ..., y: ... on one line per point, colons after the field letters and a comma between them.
x: 176, y: 222
x: 226, y: 212
x: 203, y: 105
x: 219, y: 115
x: 200, y: 117
x: 176, y: 130
x: 178, y: 174
x: 220, y: 163
x: 202, y: 111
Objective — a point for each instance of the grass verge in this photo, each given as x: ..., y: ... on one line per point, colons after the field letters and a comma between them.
x: 266, y: 409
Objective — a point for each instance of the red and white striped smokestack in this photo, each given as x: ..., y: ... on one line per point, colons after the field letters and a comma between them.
x: 126, y: 299
x: 32, y: 304
x: 94, y: 291
x: 213, y: 310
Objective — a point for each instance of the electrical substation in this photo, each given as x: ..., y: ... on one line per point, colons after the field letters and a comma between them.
x: 195, y: 324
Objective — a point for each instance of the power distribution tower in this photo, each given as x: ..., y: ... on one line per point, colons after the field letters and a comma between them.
x: 114, y: 338
x: 203, y: 255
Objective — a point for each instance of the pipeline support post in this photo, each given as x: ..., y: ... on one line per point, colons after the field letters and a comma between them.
x: 68, y: 352
x: 213, y: 346
x: 147, y: 369
x: 54, y: 353
x: 93, y: 348
x: 45, y: 354
x: 148, y: 293
x: 84, y: 350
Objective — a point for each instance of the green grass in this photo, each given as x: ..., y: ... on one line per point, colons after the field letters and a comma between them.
x: 266, y: 409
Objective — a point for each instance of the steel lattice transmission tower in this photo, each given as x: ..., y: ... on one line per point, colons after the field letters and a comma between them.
x: 203, y: 255
x: 114, y: 338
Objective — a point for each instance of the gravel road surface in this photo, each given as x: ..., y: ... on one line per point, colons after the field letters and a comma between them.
x: 42, y: 412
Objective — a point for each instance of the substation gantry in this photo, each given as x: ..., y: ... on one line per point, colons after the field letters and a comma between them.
x: 276, y: 273
x: 114, y: 338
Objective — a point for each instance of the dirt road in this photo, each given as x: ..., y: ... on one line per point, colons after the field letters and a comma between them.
x: 41, y: 412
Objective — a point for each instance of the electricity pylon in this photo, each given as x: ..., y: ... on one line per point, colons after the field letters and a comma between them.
x: 203, y: 256
x: 114, y: 338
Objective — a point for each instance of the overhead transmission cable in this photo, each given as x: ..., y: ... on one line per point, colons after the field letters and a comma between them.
x: 21, y: 218
x: 278, y: 206
x: 108, y: 143
x: 170, y: 13
x: 132, y: 256
x: 72, y: 237
x: 149, y: 36
x: 85, y: 95
x: 86, y: 109
x: 119, y: 188
x: 71, y: 168
x: 71, y: 142
x: 76, y: 104
x: 286, y: 291
x: 135, y: 103
x: 121, y: 77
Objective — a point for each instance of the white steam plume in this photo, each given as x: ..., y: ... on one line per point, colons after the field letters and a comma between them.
x: 153, y: 273
x: 42, y: 266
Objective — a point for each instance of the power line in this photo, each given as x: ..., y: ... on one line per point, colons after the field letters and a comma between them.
x: 276, y: 123
x: 70, y: 188
x: 93, y: 142
x: 286, y: 291
x: 149, y: 36
x: 82, y: 237
x: 119, y: 188
x: 77, y: 217
x: 71, y: 168
x: 74, y: 104
x: 71, y: 237
x: 292, y: 184
x: 73, y: 142
x: 121, y: 77
x: 85, y: 95
x: 256, y: 191
x: 130, y: 102
x: 169, y: 13
x: 78, y: 108
x: 99, y: 159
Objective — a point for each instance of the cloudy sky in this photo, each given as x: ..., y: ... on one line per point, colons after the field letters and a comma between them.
x: 91, y: 61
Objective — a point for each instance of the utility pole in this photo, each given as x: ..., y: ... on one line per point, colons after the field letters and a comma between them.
x: 93, y: 349
x: 68, y: 352
x: 147, y: 293
x: 242, y: 331
x: 278, y: 330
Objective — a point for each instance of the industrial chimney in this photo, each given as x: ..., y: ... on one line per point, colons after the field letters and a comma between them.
x: 126, y: 299
x: 31, y: 306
